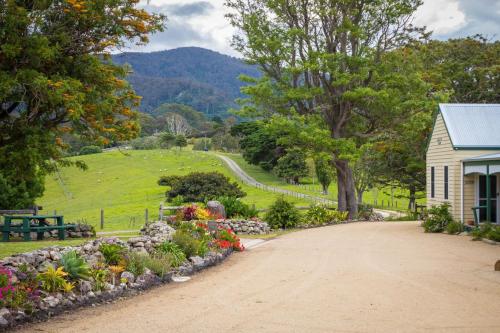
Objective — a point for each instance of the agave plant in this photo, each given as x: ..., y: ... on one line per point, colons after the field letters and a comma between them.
x: 75, y: 265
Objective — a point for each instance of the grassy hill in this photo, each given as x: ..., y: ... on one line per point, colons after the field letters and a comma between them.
x: 124, y: 185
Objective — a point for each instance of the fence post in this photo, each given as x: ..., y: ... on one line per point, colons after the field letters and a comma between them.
x: 160, y: 215
x: 102, y: 218
x: 146, y: 216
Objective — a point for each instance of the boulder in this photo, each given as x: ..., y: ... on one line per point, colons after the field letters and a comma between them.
x: 128, y: 276
x: 216, y: 209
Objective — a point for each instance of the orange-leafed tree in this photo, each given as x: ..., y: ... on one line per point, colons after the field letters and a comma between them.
x: 56, y: 77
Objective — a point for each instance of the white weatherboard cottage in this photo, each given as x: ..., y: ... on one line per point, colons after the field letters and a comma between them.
x: 463, y: 156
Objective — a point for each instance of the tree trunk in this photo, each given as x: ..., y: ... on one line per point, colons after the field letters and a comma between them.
x: 360, y: 196
x: 341, y: 195
x: 346, y: 189
x: 352, y: 202
x: 325, y: 189
x: 413, y: 200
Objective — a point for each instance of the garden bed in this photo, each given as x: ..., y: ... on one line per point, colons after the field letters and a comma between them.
x: 38, y: 285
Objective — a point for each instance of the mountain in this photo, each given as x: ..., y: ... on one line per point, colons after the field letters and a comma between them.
x: 203, y: 79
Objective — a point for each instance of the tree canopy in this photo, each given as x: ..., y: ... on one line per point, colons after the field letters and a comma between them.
x: 322, y: 58
x: 56, y: 77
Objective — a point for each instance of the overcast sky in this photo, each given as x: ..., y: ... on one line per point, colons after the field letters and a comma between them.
x: 202, y: 23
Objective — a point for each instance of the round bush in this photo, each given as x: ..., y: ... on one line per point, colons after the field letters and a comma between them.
x: 87, y: 150
x: 282, y: 214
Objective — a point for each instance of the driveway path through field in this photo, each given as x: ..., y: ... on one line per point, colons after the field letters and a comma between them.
x: 363, y: 277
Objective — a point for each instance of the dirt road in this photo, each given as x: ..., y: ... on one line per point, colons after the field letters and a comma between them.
x: 366, y: 277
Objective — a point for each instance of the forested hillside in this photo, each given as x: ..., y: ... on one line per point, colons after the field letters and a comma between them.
x: 206, y: 80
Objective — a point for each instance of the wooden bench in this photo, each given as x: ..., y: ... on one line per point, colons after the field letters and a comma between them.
x: 34, y: 223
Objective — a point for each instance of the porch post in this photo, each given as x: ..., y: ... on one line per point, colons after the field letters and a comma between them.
x: 462, y: 192
x: 488, y: 194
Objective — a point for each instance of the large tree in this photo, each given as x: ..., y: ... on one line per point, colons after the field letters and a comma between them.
x: 56, y: 77
x: 320, y: 57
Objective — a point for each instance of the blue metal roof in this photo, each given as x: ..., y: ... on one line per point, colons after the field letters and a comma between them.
x: 472, y: 126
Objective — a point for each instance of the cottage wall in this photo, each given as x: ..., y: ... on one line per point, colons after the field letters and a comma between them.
x: 440, y: 154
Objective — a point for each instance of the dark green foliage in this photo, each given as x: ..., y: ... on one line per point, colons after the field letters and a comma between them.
x: 236, y: 208
x: 177, y: 256
x: 282, y: 214
x: 317, y: 215
x: 146, y: 143
x: 87, y: 150
x: 324, y: 171
x: 55, y: 78
x: 180, y: 141
x: 113, y: 253
x: 166, y: 140
x: 454, y: 228
x: 189, y: 245
x: 200, y: 186
x: 483, y: 231
x: 75, y: 265
x: 202, y: 144
x: 438, y: 218
x: 169, y: 180
x: 258, y: 144
x: 494, y: 234
x: 292, y: 166
x: 178, y: 76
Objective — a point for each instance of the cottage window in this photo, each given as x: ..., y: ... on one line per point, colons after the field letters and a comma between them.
x: 446, y: 182
x: 433, y: 175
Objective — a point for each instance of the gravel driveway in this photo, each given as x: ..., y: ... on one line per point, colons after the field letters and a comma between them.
x: 364, y: 277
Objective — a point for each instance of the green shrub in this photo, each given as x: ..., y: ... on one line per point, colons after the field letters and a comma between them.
x: 482, y: 231
x: 159, y: 263
x: 317, y: 215
x: 75, y: 265
x: 87, y: 150
x: 494, y: 234
x: 282, y: 214
x: 438, y: 218
x: 146, y: 143
x: 175, y: 252
x: 454, y: 228
x: 201, y: 144
x: 234, y: 207
x: 113, y: 253
x: 189, y: 245
x: 136, y: 263
x: 337, y: 216
x: 201, y: 186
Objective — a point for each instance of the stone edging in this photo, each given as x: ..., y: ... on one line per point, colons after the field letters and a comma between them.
x: 120, y: 292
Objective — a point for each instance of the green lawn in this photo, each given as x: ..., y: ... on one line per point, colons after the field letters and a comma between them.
x: 124, y: 185
x: 310, y: 186
x: 7, y: 249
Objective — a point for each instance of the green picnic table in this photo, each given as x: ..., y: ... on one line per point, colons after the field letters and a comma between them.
x: 34, y: 223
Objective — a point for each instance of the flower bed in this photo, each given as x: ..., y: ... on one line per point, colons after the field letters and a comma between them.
x: 40, y: 284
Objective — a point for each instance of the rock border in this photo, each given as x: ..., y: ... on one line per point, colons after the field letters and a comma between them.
x: 75, y: 302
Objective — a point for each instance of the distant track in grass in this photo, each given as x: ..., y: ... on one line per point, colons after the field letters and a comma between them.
x: 247, y: 179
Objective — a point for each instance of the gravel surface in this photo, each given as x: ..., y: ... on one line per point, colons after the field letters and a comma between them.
x: 360, y: 277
